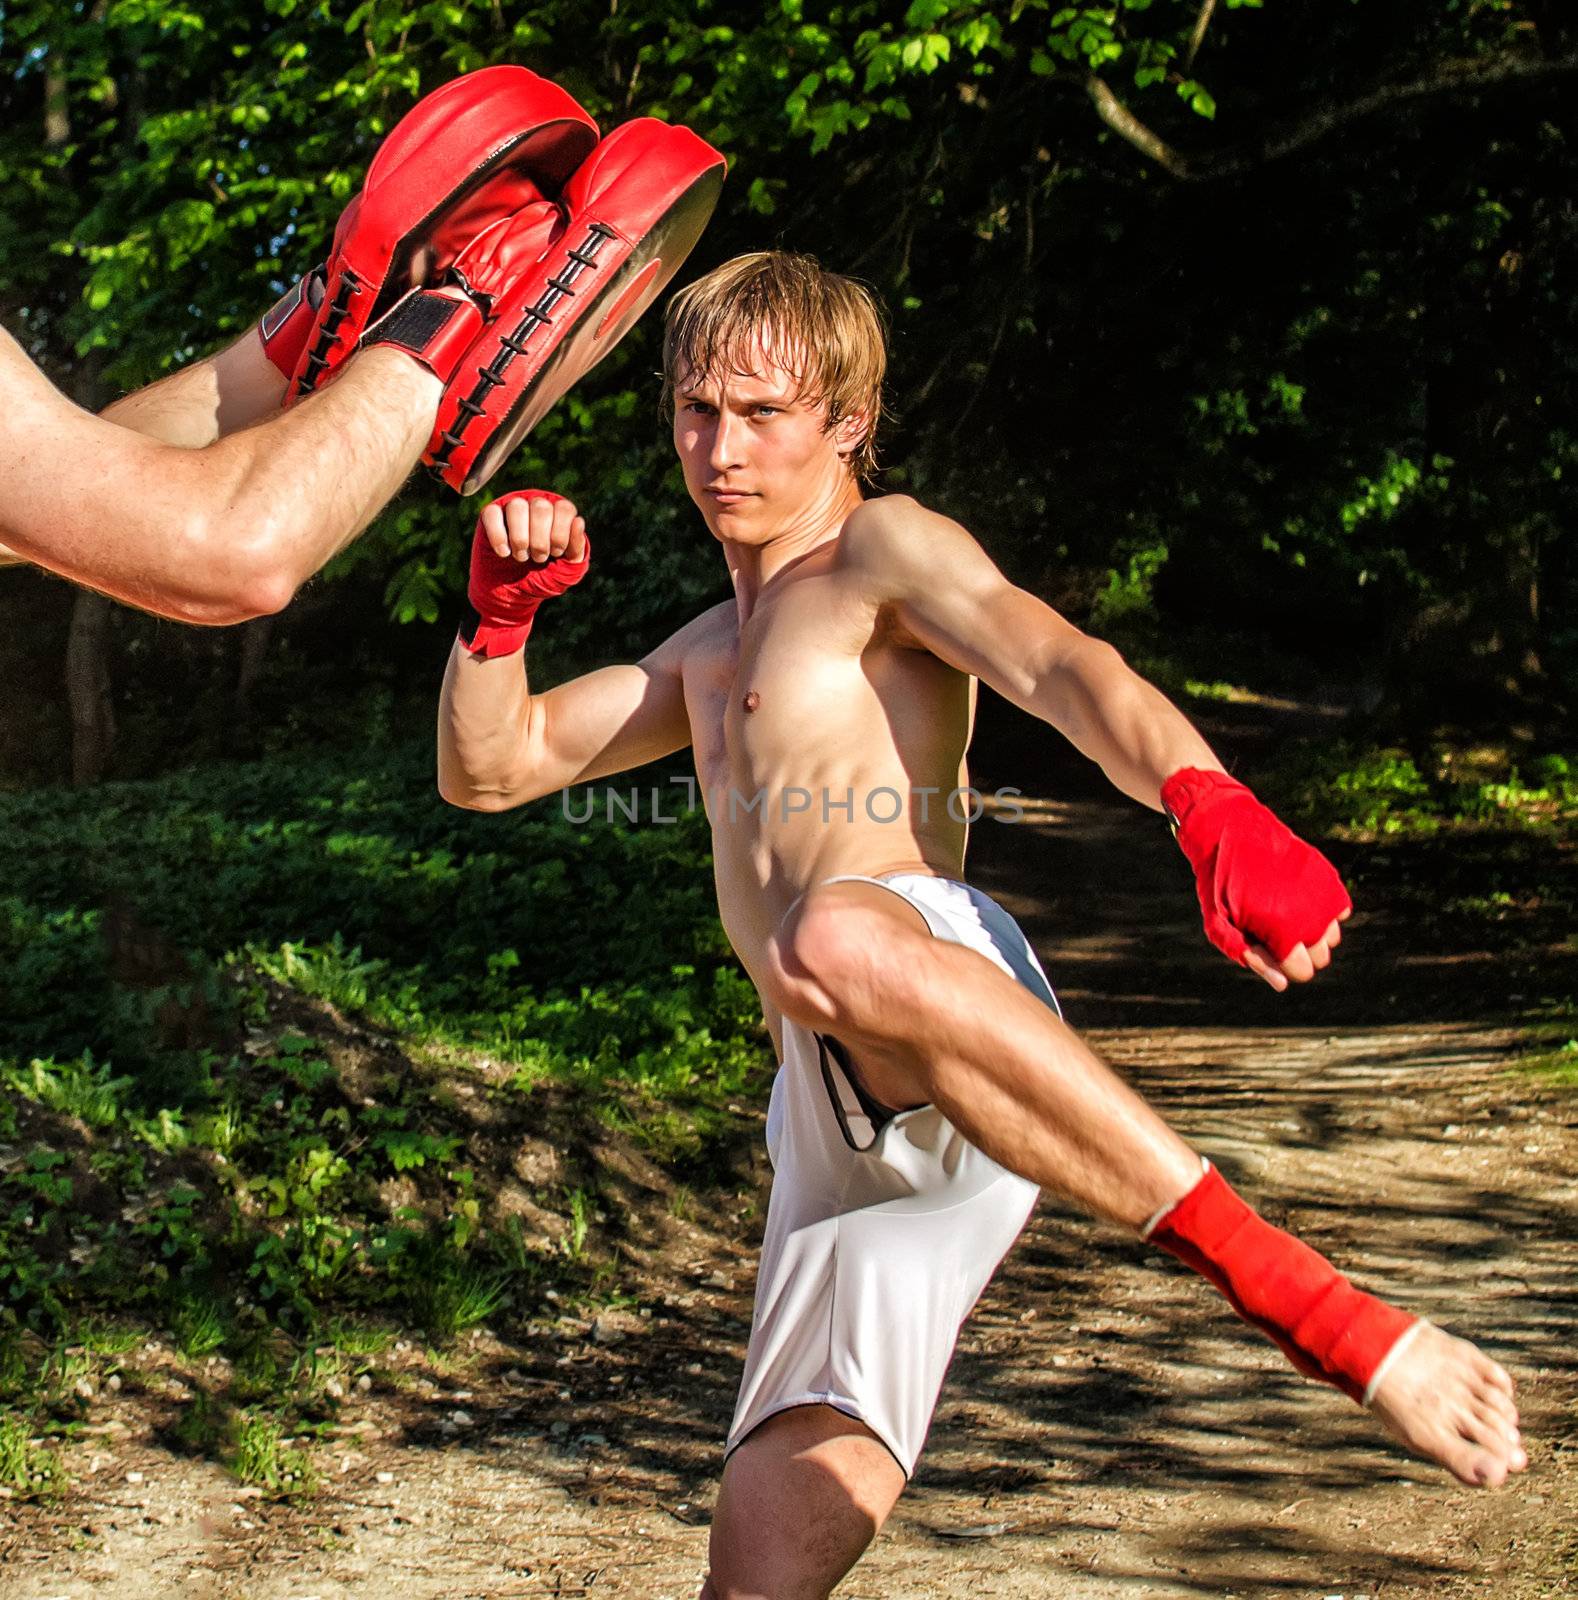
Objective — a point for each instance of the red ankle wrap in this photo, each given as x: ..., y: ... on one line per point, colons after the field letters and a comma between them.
x: 1326, y: 1327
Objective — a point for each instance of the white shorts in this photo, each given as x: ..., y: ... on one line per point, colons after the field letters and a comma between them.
x: 883, y: 1229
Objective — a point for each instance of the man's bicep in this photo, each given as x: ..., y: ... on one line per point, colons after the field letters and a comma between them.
x: 612, y: 719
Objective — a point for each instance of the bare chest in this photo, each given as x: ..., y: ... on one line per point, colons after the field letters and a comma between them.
x: 808, y: 684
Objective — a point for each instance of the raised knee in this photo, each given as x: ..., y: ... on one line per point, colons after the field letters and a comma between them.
x: 824, y: 961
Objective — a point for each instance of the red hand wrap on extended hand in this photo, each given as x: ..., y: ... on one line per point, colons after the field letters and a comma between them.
x: 1257, y: 880
x: 505, y: 593
x: 1326, y: 1327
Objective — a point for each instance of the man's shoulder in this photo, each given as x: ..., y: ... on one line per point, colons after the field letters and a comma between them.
x: 893, y: 538
x: 705, y: 633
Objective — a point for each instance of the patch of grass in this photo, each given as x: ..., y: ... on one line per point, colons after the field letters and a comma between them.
x: 356, y: 1339
x: 106, y: 1338
x: 260, y: 1372
x: 574, y: 1241
x: 459, y: 1295
x: 262, y: 1456
x: 310, y: 974
x: 1371, y: 791
x: 1552, y: 1041
x: 79, y: 1087
x: 13, y: 1365
x: 199, y: 1325
x: 28, y: 1468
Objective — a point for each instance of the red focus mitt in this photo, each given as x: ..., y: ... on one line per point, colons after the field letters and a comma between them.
x: 1258, y: 882
x: 474, y: 150
x: 440, y: 329
x: 505, y: 593
x: 631, y: 213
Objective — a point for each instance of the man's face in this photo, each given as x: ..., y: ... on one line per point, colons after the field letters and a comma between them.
x: 758, y: 457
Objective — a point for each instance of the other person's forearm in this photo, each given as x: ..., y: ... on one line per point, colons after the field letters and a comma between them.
x: 484, y: 729
x: 206, y: 400
x: 1126, y: 725
x: 231, y: 530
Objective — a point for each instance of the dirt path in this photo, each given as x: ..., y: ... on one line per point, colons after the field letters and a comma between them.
x: 1107, y: 1430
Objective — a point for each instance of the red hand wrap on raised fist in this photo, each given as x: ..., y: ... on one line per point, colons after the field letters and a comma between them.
x: 1325, y: 1327
x: 505, y: 593
x: 1257, y: 880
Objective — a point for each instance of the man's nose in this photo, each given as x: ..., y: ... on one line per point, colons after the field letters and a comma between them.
x: 727, y: 438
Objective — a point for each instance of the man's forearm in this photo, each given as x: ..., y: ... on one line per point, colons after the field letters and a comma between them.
x: 1128, y: 726
x: 207, y: 399
x: 484, y: 728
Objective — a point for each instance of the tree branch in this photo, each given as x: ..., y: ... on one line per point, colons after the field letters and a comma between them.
x: 1197, y: 38
x: 1452, y: 77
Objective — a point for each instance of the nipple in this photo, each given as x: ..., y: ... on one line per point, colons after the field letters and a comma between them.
x: 751, y: 700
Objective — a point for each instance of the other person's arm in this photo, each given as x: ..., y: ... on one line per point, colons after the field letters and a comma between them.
x: 150, y: 506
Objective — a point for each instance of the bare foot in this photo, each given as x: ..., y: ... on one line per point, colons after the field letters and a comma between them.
x: 1448, y: 1402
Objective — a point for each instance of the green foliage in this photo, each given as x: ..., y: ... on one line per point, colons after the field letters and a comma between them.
x: 1129, y: 593
x: 456, y: 1296
x: 1557, y: 1065
x: 273, y: 1170
x: 1372, y: 791
x: 80, y: 1088
x: 1337, y: 388
x: 31, y: 1471
x: 263, y: 1456
x: 199, y: 1325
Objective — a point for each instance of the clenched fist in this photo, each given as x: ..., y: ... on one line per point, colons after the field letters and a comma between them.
x: 529, y: 546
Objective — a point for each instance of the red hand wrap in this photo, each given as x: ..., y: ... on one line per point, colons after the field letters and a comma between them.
x: 1257, y: 880
x: 505, y: 593
x: 1326, y: 1327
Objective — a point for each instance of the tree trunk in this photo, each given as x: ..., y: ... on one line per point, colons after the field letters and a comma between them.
x: 256, y: 636
x: 88, y: 688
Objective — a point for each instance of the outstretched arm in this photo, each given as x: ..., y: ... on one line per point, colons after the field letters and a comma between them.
x: 207, y: 399
x: 1269, y: 900
x: 499, y: 744
x: 181, y: 522
x: 945, y: 595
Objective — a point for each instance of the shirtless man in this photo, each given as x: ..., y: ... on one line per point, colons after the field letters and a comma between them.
x: 497, y: 250
x: 928, y: 1083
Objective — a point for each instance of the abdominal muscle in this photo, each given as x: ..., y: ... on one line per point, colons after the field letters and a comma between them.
x: 845, y: 765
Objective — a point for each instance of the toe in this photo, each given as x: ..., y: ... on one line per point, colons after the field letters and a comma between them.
x: 1468, y: 1462
x: 1498, y: 1404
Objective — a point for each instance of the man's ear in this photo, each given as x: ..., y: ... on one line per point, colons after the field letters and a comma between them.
x: 850, y: 432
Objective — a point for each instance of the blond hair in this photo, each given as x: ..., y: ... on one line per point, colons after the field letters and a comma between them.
x: 825, y: 328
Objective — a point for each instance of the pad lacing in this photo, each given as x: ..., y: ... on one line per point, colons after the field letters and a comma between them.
x: 580, y: 260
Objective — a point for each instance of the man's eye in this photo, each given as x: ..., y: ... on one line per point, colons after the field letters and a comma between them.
x: 698, y: 408
x: 767, y: 411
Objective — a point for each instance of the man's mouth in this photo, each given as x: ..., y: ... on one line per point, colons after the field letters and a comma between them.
x: 729, y: 497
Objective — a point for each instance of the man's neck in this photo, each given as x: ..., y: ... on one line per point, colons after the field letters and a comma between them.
x: 752, y: 567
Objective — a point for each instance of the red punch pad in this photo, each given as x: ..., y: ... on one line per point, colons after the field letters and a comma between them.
x: 476, y: 149
x: 634, y: 211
